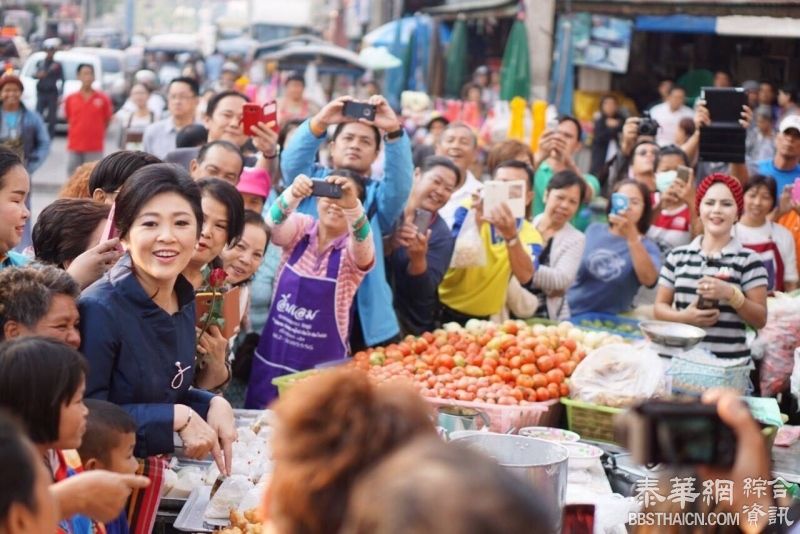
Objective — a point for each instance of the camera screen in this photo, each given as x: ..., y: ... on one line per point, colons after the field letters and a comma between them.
x: 686, y: 440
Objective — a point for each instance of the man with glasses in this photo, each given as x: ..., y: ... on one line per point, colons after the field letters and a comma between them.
x: 182, y: 98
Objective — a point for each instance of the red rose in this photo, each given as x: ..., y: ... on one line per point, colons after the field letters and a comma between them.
x: 217, y: 277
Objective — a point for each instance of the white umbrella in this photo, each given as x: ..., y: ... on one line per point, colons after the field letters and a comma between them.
x: 379, y: 58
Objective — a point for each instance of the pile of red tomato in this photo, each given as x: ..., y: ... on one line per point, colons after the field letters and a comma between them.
x: 500, y: 364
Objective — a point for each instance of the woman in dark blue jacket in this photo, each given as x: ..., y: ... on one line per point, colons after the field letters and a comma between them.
x: 138, y: 322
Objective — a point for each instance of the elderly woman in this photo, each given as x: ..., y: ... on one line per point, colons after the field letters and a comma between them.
x: 715, y: 282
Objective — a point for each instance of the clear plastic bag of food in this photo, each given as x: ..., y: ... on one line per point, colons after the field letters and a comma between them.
x: 468, y: 249
x: 618, y: 375
x: 230, y: 493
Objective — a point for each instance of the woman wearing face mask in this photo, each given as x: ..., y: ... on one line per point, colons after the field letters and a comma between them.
x: 774, y: 243
x: 715, y: 267
x: 223, y: 221
x: 138, y: 326
x: 561, y: 256
x: 618, y: 258
x: 324, y: 261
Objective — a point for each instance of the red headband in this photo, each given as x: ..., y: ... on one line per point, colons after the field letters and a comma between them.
x: 729, y: 181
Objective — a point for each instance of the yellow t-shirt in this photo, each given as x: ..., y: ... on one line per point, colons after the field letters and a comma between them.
x: 481, y: 291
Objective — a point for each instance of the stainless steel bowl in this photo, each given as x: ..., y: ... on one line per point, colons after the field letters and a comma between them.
x: 672, y: 334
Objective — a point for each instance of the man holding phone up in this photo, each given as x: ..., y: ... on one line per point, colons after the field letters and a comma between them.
x: 418, y: 251
x: 355, y: 145
x: 512, y: 247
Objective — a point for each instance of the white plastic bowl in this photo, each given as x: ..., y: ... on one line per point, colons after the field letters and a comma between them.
x: 549, y: 433
x: 582, y: 455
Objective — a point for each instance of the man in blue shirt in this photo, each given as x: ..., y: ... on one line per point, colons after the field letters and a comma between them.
x: 785, y: 166
x: 355, y: 145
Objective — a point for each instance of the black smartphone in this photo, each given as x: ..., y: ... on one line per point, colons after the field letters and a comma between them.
x: 677, y: 433
x: 422, y: 220
x: 359, y: 110
x: 321, y: 188
x: 724, y: 104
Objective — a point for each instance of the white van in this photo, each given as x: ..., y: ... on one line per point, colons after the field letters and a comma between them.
x: 69, y: 63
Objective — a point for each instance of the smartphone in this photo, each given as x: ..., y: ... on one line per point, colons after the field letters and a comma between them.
x: 359, y: 110
x: 677, y: 433
x: 109, y: 230
x: 422, y: 220
x: 619, y: 203
x: 321, y: 188
x: 796, y: 191
x: 230, y: 308
x: 252, y: 114
x: 684, y: 173
x: 724, y: 104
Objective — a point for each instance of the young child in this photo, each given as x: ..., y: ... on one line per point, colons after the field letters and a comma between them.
x: 254, y: 185
x: 108, y: 444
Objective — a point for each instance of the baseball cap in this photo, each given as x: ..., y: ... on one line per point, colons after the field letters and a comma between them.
x: 254, y: 181
x: 789, y: 123
x: 750, y: 85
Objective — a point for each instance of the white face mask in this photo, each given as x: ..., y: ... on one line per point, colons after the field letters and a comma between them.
x: 664, y: 179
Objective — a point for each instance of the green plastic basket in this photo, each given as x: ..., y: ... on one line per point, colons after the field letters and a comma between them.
x: 591, y: 421
x: 285, y: 382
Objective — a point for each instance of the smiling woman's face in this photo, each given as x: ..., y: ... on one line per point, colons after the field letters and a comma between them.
x: 162, y: 238
x: 215, y: 231
x: 718, y: 211
x: 242, y: 260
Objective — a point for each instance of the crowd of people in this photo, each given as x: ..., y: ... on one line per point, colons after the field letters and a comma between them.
x: 331, y: 234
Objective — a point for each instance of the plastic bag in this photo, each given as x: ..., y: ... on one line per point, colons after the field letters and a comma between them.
x: 776, y: 344
x: 230, y: 493
x: 618, y: 375
x: 468, y: 250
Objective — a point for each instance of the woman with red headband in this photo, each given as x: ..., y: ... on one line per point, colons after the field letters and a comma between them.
x: 714, y: 282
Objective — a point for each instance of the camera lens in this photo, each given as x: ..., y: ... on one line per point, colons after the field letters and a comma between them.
x: 366, y: 112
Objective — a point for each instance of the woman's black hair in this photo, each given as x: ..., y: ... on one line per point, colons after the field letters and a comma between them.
x: 38, y: 376
x: 18, y: 476
x: 149, y: 182
x: 769, y: 182
x: 674, y: 150
x: 286, y: 129
x: 647, y: 213
x: 516, y: 164
x: 565, y: 179
x: 63, y: 229
x: 440, y: 161
x: 111, y: 172
x: 226, y: 194
x: 191, y: 136
x: 356, y: 177
x: 254, y: 218
x: 8, y: 160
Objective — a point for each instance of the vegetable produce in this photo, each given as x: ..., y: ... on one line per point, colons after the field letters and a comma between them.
x: 511, y: 364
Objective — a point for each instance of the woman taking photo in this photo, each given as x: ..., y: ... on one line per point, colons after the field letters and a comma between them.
x: 561, y: 256
x: 771, y: 241
x: 138, y: 323
x: 223, y: 222
x: 618, y: 258
x: 714, y: 282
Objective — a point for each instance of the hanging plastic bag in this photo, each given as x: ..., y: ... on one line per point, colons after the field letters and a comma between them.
x: 776, y: 343
x: 468, y: 250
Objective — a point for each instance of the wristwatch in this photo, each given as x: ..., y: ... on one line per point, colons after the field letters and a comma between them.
x: 391, y: 136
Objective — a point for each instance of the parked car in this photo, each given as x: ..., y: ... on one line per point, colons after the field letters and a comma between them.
x: 69, y: 62
x: 113, y: 82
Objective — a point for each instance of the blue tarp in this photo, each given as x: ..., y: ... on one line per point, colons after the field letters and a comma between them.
x: 676, y: 24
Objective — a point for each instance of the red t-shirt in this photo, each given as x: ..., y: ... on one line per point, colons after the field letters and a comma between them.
x: 87, y: 119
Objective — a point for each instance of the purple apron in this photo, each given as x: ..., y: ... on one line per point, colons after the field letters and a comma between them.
x: 301, y: 329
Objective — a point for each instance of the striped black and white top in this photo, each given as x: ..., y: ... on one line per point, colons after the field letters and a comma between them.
x: 686, y: 265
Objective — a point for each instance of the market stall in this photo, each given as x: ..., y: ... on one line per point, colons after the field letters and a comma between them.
x: 494, y: 383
